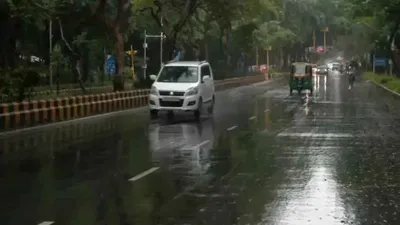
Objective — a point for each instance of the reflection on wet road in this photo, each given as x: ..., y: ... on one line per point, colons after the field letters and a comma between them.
x: 264, y: 158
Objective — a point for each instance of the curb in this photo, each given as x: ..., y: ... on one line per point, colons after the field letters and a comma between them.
x: 385, y: 88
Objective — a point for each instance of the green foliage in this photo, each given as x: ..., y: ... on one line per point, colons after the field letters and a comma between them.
x: 391, y: 82
x: 273, y: 34
x: 221, y: 30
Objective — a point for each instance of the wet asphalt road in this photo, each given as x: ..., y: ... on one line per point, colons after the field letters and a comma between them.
x: 264, y: 158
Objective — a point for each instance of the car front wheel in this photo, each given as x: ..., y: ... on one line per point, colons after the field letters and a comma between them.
x: 153, y: 113
x: 197, y: 113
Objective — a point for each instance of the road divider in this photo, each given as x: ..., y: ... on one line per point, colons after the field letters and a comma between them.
x: 25, y: 114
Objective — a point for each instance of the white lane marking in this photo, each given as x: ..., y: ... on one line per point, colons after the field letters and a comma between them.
x: 196, y: 146
x: 310, y: 134
x: 205, y: 195
x: 252, y: 118
x: 46, y: 223
x: 145, y: 173
x: 231, y: 128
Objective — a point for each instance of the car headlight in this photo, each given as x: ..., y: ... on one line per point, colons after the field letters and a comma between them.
x: 153, y: 91
x: 192, y: 91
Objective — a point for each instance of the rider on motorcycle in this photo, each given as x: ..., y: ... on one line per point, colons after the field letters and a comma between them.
x: 351, y: 72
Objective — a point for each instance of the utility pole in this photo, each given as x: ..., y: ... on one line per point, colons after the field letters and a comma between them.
x: 257, y: 56
x: 145, y: 45
x: 51, y: 52
x: 269, y: 48
x: 313, y: 37
x: 268, y: 69
x: 161, y: 42
x: 373, y: 63
x: 325, y: 31
x: 145, y: 55
x: 132, y: 53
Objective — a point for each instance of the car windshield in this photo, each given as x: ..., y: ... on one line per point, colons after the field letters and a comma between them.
x: 300, y: 69
x: 178, y: 74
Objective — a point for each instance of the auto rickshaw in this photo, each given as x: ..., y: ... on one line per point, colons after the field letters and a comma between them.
x: 301, y: 77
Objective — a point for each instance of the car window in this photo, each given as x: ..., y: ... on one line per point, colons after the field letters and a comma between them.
x: 300, y: 69
x: 205, y: 71
x: 178, y: 74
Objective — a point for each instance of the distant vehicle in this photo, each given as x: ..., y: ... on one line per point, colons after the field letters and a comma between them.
x: 320, y: 49
x: 183, y: 86
x: 323, y: 70
x: 332, y: 65
x: 263, y: 68
x: 336, y: 67
x: 301, y: 77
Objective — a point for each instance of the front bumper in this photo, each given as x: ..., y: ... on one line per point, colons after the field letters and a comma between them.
x: 184, y: 103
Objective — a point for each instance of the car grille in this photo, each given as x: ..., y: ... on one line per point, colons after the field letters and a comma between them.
x: 171, y: 104
x: 174, y: 93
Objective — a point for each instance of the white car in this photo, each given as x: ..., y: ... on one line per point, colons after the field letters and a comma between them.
x: 183, y: 86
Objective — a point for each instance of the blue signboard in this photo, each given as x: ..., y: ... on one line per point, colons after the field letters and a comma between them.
x: 111, y: 65
x: 380, y: 61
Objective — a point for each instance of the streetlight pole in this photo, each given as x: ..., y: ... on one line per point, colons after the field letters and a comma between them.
x: 257, y: 56
x: 161, y: 42
x: 268, y: 49
x: 51, y: 52
x: 325, y: 31
x: 145, y: 54
x: 313, y: 37
x: 268, y: 69
x: 145, y: 45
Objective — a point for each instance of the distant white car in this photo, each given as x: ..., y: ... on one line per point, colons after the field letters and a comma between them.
x: 183, y: 86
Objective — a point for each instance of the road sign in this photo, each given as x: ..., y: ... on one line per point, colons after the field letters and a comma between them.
x: 111, y: 64
x: 380, y: 61
x: 131, y: 52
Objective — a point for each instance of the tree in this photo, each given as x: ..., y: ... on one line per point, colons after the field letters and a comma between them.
x: 117, y: 21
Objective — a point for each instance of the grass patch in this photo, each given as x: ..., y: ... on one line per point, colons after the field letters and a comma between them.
x: 391, y: 82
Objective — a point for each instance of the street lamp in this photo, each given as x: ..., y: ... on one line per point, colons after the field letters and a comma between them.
x: 145, y: 46
x: 267, y: 49
x: 325, y: 31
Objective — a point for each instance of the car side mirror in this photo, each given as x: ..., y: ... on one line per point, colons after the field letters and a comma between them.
x: 205, y: 78
x: 153, y: 77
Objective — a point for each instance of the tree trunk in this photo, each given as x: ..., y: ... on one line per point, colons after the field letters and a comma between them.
x: 78, y: 68
x: 206, y: 56
x: 393, y: 54
x: 120, y: 56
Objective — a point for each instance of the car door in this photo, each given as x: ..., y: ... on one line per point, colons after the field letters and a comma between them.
x: 212, y: 88
x: 206, y: 85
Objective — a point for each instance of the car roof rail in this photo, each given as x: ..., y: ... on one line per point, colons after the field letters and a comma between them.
x: 204, y: 61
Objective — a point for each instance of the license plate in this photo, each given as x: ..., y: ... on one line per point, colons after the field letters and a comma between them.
x: 166, y: 99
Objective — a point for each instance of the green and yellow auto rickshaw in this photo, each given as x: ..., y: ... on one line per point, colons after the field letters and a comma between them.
x: 301, y: 77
